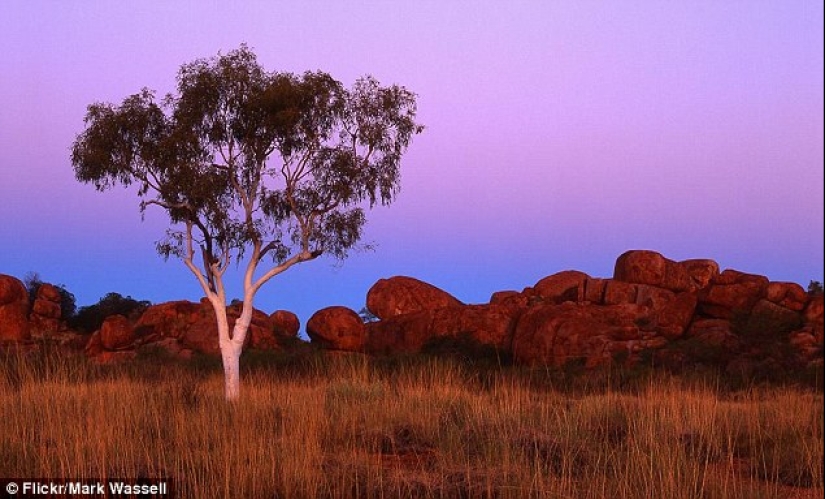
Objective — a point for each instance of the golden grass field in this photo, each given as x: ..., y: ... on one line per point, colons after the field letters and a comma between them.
x: 349, y: 426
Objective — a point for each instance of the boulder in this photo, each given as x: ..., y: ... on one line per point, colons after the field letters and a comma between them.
x: 399, y: 334
x: 48, y: 292
x: 814, y: 312
x: 562, y: 286
x: 813, y: 317
x: 700, y: 271
x: 653, y: 269
x: 94, y: 346
x: 674, y: 316
x: 787, y: 294
x: 14, y: 308
x: 654, y: 297
x: 769, y: 319
x: 401, y: 295
x: 714, y: 332
x: 594, y: 291
x: 486, y: 324
x: 490, y: 325
x: 46, y: 311
x: 618, y: 292
x: 285, y: 323
x: 261, y: 334
x: 640, y: 267
x: 194, y: 325
x: 731, y: 293
x: 500, y: 297
x: 116, y: 333
x: 676, y: 277
x: 169, y: 320
x: 337, y: 328
x: 556, y: 334
x: 201, y: 335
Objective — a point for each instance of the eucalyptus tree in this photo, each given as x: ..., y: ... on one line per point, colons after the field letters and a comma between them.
x: 264, y: 169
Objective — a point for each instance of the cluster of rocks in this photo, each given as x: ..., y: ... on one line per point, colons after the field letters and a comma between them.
x: 181, y: 328
x: 650, y: 304
x: 46, y: 314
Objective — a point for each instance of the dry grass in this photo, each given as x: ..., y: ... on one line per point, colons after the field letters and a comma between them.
x: 342, y: 426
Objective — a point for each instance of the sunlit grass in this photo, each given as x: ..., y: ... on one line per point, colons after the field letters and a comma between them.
x: 347, y: 426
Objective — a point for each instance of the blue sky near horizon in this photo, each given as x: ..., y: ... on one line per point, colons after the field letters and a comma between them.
x: 559, y: 135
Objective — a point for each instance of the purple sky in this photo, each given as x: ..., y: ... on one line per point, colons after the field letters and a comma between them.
x: 559, y: 135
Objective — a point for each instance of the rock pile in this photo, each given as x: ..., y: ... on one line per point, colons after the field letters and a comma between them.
x: 182, y: 328
x: 649, y: 305
x: 46, y: 313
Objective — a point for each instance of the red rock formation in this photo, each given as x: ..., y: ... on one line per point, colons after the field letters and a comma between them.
x: 787, y: 294
x: 402, y: 295
x: 732, y: 292
x: 674, y: 316
x: 194, y: 326
x: 337, y: 328
x: 557, y: 334
x: 714, y: 332
x: 399, y: 334
x: 14, y: 308
x: 651, y: 268
x: 562, y: 286
x: 46, y: 311
x: 594, y: 291
x: 169, y: 320
x: 490, y: 325
x: 116, y: 333
x: 701, y: 272
x: 640, y: 267
x: 617, y: 292
x: 285, y: 323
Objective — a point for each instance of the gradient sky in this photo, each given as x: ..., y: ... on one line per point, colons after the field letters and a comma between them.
x: 559, y: 135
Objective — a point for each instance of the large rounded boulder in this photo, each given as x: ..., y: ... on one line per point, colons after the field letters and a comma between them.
x: 285, y: 323
x: 337, y: 328
x: 116, y: 333
x: 402, y: 295
x: 14, y: 308
x: 562, y: 286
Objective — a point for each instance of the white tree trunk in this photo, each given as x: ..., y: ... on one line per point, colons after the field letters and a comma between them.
x: 231, y: 349
x: 231, y: 357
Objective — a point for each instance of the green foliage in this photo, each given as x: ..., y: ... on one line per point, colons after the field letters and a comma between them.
x: 242, y: 157
x: 88, y: 319
x: 815, y: 288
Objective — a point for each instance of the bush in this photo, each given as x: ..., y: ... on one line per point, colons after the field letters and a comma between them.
x: 88, y: 319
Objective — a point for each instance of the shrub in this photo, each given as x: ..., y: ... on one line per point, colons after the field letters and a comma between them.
x: 88, y: 319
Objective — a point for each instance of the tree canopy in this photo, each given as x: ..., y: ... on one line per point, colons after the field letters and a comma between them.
x: 241, y: 158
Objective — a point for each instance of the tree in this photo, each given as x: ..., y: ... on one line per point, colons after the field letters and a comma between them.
x: 269, y: 169
x: 89, y: 318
